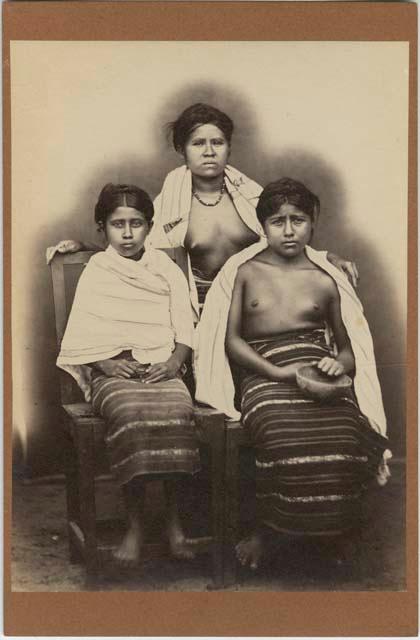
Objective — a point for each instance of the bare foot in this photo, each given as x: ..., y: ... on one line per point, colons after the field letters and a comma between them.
x: 180, y: 546
x: 249, y: 550
x: 128, y: 553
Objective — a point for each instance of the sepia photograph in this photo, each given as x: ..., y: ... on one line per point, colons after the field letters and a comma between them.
x: 209, y: 315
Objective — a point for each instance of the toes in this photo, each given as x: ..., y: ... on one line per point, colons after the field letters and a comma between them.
x: 181, y: 551
x: 126, y: 558
x: 242, y: 558
x: 183, y: 554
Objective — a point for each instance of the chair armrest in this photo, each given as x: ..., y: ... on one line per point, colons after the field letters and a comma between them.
x: 234, y: 425
x: 204, y: 411
x: 210, y: 424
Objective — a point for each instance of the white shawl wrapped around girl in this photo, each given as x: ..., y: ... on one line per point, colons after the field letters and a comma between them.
x: 120, y: 304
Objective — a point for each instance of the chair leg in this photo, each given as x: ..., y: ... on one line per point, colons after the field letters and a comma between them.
x: 215, y: 427
x: 72, y: 497
x: 85, y: 447
x: 231, y: 507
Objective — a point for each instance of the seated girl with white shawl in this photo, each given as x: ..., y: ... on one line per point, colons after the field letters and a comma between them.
x: 277, y: 305
x: 128, y: 336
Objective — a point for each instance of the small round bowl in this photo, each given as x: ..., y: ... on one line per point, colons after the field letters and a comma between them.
x: 319, y: 386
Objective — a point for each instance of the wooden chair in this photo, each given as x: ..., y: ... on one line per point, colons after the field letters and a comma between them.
x: 89, y: 539
x: 235, y: 439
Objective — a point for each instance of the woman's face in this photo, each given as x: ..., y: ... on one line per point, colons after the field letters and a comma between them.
x: 126, y: 230
x: 206, y: 151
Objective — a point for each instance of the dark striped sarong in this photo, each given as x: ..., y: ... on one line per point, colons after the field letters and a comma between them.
x: 150, y: 427
x: 314, y: 459
x: 203, y: 284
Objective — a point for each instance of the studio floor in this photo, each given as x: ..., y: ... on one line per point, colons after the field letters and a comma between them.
x: 374, y: 560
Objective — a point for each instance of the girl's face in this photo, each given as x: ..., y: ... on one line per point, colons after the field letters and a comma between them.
x: 206, y: 151
x: 288, y: 230
x: 126, y: 230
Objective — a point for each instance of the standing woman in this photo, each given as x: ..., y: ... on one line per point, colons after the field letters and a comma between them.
x: 206, y: 209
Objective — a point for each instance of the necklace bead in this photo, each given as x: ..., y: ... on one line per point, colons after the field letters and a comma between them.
x: 210, y: 204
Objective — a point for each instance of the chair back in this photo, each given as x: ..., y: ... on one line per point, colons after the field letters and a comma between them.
x: 65, y: 271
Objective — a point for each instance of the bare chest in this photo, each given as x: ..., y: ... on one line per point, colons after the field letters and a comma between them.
x: 221, y: 224
x: 299, y: 295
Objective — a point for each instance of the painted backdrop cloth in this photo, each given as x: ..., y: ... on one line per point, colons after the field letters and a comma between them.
x: 214, y: 384
x: 149, y: 426
x: 120, y: 304
x: 173, y: 206
x: 314, y: 460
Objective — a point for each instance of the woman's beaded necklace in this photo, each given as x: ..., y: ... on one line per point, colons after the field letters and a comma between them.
x: 210, y: 204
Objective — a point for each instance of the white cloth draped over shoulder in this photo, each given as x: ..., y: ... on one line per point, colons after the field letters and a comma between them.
x: 121, y: 304
x: 173, y: 205
x: 213, y: 376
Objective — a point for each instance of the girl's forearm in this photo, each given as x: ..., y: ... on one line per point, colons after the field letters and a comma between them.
x: 99, y: 364
x: 245, y: 356
x: 346, y: 358
x: 180, y: 354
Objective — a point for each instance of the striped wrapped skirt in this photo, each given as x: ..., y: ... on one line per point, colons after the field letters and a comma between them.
x: 314, y: 459
x: 150, y: 427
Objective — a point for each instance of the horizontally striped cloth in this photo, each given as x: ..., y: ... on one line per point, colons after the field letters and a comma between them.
x: 149, y: 426
x: 203, y: 284
x: 314, y: 460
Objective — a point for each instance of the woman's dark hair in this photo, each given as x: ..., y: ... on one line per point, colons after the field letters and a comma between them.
x: 195, y: 116
x: 286, y: 190
x: 113, y: 196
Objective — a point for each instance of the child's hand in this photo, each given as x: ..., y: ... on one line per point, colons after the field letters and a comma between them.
x: 161, y: 371
x: 117, y: 368
x: 330, y: 366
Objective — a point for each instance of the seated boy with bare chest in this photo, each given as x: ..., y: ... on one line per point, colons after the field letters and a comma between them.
x: 313, y: 459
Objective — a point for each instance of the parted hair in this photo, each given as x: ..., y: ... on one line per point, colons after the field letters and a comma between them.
x: 286, y: 190
x: 195, y: 116
x: 113, y: 196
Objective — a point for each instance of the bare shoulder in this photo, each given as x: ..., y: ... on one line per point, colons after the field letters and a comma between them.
x: 247, y: 270
x: 326, y: 282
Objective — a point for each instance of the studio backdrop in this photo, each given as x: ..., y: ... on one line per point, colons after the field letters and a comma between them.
x: 332, y: 114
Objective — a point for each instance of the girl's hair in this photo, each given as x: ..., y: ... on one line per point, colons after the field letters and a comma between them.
x: 113, y: 196
x: 286, y: 190
x: 195, y: 116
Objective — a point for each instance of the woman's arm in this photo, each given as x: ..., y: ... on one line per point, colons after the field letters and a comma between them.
x: 70, y: 246
x: 346, y: 266
x: 344, y: 362
x: 240, y: 351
